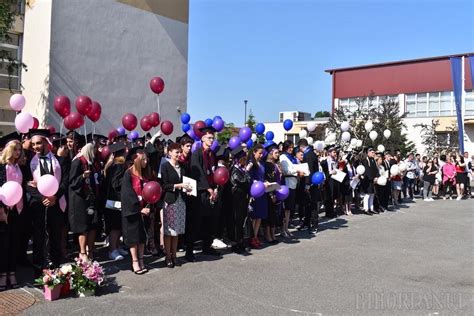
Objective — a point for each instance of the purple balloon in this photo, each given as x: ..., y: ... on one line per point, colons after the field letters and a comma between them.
x: 218, y: 124
x: 245, y: 134
x: 282, y: 193
x: 234, y: 142
x: 121, y: 130
x: 196, y: 145
x: 133, y: 135
x: 215, y: 145
x: 192, y: 134
x: 258, y: 189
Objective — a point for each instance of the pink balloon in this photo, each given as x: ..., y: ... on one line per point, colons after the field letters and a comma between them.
x: 17, y: 102
x: 23, y: 122
x: 48, y: 185
x: 11, y: 193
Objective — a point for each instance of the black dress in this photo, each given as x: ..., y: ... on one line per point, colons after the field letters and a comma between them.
x: 82, y: 197
x: 113, y: 186
x: 240, y: 181
x: 133, y: 223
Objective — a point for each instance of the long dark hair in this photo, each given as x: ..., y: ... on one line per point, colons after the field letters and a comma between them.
x: 251, y: 155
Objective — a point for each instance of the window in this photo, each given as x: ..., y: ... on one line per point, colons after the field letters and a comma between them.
x: 433, y: 104
x: 281, y: 117
x: 10, y: 49
x: 469, y: 103
x: 411, y: 105
x: 429, y: 104
x: 445, y: 104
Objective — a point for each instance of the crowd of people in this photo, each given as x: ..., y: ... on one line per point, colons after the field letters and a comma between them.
x: 101, y: 185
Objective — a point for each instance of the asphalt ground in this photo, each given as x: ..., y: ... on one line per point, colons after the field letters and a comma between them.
x: 417, y: 260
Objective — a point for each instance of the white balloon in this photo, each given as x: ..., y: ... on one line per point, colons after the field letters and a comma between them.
x: 382, y: 180
x: 369, y: 126
x: 310, y: 140
x: 254, y: 137
x: 303, y: 133
x: 330, y: 138
x: 354, y: 142
x: 319, y: 145
x: 360, y: 170
x: 402, y: 166
x: 345, y: 126
x: 359, y: 143
x: 311, y: 126
x: 381, y: 148
x: 346, y: 136
x: 394, y: 170
x: 373, y: 135
x: 387, y: 133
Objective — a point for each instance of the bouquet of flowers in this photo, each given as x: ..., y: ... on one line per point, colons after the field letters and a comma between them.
x: 86, y: 276
x: 51, y: 278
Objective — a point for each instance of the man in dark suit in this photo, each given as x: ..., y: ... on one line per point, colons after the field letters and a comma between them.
x: 312, y: 192
x: 203, y: 165
x: 329, y: 166
x: 368, y: 180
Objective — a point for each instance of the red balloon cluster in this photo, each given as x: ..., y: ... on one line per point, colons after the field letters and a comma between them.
x: 157, y: 85
x: 166, y: 127
x: 95, y: 112
x: 151, y: 192
x: 62, y: 105
x: 129, y: 121
x: 196, y: 128
x: 83, y: 104
x: 73, y: 121
x: 221, y: 176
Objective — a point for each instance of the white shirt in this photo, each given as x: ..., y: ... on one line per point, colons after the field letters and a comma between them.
x: 288, y: 169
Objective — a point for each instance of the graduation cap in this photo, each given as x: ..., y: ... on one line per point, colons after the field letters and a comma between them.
x: 39, y: 132
x: 150, y: 149
x: 58, y: 141
x: 132, y: 152
x: 117, y: 148
x: 184, y: 139
x: 96, y: 138
x: 121, y: 137
x: 8, y: 138
x: 238, y: 152
x: 330, y: 148
x: 222, y: 152
x: 73, y: 135
x: 207, y: 129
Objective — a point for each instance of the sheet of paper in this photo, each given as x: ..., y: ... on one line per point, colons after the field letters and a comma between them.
x: 339, y: 176
x: 272, y: 187
x: 193, y: 185
x: 354, y: 183
x: 303, y: 167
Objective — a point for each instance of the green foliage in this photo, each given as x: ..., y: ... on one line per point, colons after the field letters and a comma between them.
x: 385, y: 116
x: 251, y: 121
x: 322, y: 114
x: 226, y: 133
x: 436, y: 142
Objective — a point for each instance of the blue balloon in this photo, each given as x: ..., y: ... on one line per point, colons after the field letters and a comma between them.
x: 185, y: 118
x: 249, y: 143
x: 186, y: 127
x: 208, y: 122
x: 260, y: 128
x: 269, y: 135
x: 288, y: 124
x: 217, y: 117
x: 121, y: 131
x: 317, y: 178
x: 133, y: 135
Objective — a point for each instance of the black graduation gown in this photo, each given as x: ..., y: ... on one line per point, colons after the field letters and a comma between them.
x: 80, y: 199
x: 133, y: 224
x: 367, y: 185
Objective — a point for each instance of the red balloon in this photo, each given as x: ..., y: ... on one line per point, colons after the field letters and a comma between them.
x: 36, y: 123
x: 129, y: 121
x: 151, y: 192
x: 83, y: 104
x: 73, y: 121
x: 113, y: 133
x: 167, y: 127
x: 95, y: 112
x: 196, y: 128
x: 221, y: 176
x: 154, y: 118
x: 62, y: 105
x: 157, y: 85
x: 52, y: 129
x: 104, y: 153
x: 145, y: 123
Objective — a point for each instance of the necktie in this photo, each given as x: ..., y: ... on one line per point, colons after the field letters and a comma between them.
x: 44, y: 163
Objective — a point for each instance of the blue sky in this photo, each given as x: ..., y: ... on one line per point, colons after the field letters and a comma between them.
x: 274, y: 52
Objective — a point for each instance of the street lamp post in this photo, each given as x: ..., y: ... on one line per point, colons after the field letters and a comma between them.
x: 245, y: 113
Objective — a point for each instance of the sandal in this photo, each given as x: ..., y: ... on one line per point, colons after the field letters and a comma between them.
x: 144, y: 269
x: 139, y: 271
x: 13, y: 285
x: 3, y: 287
x: 83, y: 256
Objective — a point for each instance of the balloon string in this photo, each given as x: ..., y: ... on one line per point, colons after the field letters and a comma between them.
x: 158, y: 103
x: 85, y: 131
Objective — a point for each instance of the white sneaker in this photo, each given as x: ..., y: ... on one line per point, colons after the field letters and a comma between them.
x: 427, y: 200
x: 431, y: 199
x: 115, y: 255
x: 122, y: 251
x: 458, y: 198
x: 218, y: 244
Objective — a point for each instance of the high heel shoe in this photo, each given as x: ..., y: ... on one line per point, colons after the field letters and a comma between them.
x: 3, y: 287
x: 14, y: 284
x: 139, y: 271
x: 170, y: 263
x: 142, y: 265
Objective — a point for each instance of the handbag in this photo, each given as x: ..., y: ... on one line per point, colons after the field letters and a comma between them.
x: 113, y: 205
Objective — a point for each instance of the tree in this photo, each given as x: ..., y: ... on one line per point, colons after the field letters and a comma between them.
x: 227, y: 132
x: 8, y: 61
x: 322, y: 114
x: 251, y: 120
x: 385, y: 116
x: 438, y: 142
